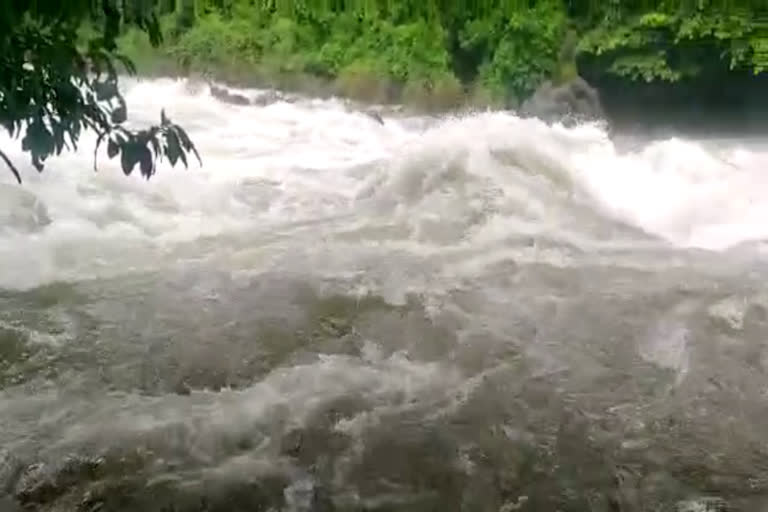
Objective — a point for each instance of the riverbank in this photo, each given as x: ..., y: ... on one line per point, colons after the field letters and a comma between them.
x: 360, y: 85
x: 658, y: 110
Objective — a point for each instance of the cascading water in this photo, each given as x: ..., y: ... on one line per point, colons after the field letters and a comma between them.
x: 483, y: 313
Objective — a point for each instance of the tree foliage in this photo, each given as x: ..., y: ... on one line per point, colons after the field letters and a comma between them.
x: 520, y: 49
x: 676, y: 40
x: 53, y: 86
x: 505, y: 47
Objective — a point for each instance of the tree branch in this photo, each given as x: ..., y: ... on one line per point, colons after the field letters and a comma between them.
x: 96, y: 151
x: 10, y: 165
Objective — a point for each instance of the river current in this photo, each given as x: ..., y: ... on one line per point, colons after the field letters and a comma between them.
x: 477, y: 313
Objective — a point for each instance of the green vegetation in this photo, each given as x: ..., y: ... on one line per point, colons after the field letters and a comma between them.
x: 671, y: 44
x: 430, y: 53
x: 438, y: 52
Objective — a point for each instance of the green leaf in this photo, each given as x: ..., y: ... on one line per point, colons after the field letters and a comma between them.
x: 112, y: 148
x: 128, y: 157
x: 173, y: 150
x: 187, y: 143
x: 656, y: 20
x: 145, y: 161
x: 105, y: 90
x: 119, y: 114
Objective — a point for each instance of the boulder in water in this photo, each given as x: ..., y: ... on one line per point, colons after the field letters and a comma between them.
x: 41, y: 483
x: 572, y: 100
x: 222, y: 94
x: 268, y: 98
x: 375, y: 116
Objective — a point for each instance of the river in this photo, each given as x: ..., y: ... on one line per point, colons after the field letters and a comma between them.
x: 479, y: 313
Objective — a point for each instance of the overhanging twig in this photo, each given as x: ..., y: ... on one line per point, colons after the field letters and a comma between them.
x: 96, y: 151
x: 10, y: 165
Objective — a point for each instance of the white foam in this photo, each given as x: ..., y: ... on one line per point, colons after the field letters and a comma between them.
x: 474, y: 181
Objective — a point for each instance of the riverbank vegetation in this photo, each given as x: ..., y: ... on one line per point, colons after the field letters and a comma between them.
x: 440, y: 53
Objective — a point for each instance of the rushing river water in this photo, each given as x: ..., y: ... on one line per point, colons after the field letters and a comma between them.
x: 484, y: 313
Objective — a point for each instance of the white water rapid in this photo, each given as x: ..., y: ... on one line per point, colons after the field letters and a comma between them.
x: 473, y: 313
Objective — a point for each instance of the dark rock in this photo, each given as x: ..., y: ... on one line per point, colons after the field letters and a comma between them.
x: 375, y: 116
x: 222, y: 94
x: 268, y: 98
x: 716, y: 100
x: 182, y: 388
x: 42, y: 483
x: 573, y: 100
x: 36, y: 485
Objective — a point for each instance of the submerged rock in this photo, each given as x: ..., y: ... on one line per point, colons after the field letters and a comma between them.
x: 375, y: 116
x: 224, y: 95
x: 573, y: 100
x: 42, y: 483
x: 262, y: 100
x: 268, y: 98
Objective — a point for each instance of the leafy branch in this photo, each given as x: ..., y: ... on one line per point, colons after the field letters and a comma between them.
x: 52, y: 89
x: 165, y: 140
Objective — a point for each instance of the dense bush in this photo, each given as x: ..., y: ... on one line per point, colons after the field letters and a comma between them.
x: 419, y: 52
x: 434, y: 52
x: 518, y: 51
x: 678, y: 42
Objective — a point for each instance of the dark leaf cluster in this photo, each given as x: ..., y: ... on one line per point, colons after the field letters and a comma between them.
x: 54, y: 87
